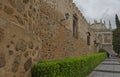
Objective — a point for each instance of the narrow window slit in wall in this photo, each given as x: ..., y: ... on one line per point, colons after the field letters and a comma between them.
x: 75, y: 26
x: 88, y: 38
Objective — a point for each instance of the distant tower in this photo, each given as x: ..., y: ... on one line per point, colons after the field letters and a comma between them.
x: 110, y: 26
x: 104, y: 22
x: 101, y: 21
x: 95, y: 21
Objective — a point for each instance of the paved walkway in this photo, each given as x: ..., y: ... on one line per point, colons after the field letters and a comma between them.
x: 108, y: 68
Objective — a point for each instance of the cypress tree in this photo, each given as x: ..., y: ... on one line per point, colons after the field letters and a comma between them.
x: 117, y: 21
x: 116, y: 35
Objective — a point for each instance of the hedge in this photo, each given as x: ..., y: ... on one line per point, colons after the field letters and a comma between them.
x: 71, y: 67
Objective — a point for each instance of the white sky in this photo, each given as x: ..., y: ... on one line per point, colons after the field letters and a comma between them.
x: 99, y: 9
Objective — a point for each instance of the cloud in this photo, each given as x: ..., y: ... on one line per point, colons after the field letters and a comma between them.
x: 99, y: 9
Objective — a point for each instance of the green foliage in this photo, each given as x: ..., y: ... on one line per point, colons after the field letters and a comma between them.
x: 71, y: 67
x: 116, y: 36
x: 117, y: 21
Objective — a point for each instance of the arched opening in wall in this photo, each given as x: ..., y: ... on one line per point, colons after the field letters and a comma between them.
x: 75, y: 26
x: 88, y: 38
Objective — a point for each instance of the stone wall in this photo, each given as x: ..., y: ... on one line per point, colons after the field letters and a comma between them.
x: 56, y: 32
x: 47, y: 19
x: 19, y: 50
x: 22, y: 12
x: 35, y: 30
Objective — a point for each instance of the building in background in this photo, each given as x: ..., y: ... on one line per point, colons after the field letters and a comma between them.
x: 104, y: 35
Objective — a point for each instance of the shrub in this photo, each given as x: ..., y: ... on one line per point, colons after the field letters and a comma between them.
x: 71, y: 67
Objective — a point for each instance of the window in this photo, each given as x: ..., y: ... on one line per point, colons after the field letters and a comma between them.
x: 88, y: 38
x: 75, y: 26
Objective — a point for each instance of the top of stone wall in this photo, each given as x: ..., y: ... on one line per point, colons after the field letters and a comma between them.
x: 77, y: 10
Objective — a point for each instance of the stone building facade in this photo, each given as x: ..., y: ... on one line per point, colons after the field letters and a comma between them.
x: 104, y: 35
x: 35, y: 30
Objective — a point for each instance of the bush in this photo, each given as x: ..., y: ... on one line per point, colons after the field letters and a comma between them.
x: 71, y: 67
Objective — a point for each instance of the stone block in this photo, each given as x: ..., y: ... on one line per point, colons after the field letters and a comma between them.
x: 21, y: 45
x: 2, y: 60
x: 11, y: 52
x: 1, y: 34
x: 9, y: 10
x: 25, y: 1
x: 20, y: 6
x: 30, y: 45
x: 12, y: 2
x: 28, y: 64
x: 16, y: 63
x: 1, y: 6
x: 20, y: 20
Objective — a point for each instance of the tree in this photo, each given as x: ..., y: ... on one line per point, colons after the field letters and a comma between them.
x: 116, y: 35
x: 117, y: 21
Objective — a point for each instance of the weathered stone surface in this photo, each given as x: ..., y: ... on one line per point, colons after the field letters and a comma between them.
x: 11, y: 42
x: 21, y: 45
x: 14, y: 36
x: 28, y: 64
x: 29, y: 74
x: 26, y: 54
x: 8, y: 46
x: 20, y: 6
x: 12, y: 2
x: 1, y: 6
x: 30, y: 13
x: 43, y: 18
x: 8, y: 10
x: 2, y: 74
x: 2, y: 22
x: 16, y: 63
x: 14, y: 75
x: 1, y: 34
x: 11, y: 52
x: 37, y: 48
x: 16, y: 57
x: 25, y: 1
x: 20, y: 20
x: 30, y: 45
x: 2, y: 60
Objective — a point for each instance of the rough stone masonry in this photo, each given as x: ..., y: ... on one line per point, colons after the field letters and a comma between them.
x: 35, y: 30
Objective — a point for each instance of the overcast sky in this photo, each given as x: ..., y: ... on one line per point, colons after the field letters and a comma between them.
x: 99, y: 9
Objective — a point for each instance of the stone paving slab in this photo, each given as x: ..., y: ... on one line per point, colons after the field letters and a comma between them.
x: 108, y: 75
x: 115, y: 62
x: 105, y: 67
x: 111, y: 60
x: 102, y: 74
x: 116, y: 75
x: 108, y: 68
x: 117, y: 68
x: 96, y: 74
